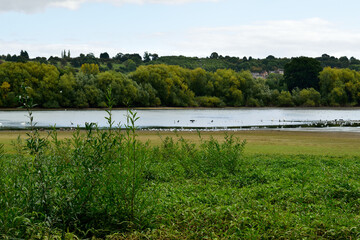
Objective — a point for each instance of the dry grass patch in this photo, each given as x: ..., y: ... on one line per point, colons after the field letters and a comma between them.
x: 258, y: 141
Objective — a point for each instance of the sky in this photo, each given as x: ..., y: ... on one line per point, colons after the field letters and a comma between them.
x: 256, y: 28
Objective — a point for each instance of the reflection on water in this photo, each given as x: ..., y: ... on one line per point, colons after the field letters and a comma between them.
x: 191, y: 118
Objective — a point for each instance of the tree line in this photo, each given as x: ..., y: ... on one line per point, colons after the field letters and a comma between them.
x: 305, y: 83
x: 128, y: 62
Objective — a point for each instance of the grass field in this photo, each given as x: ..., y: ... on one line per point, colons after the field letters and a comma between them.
x: 280, y: 185
x: 258, y: 141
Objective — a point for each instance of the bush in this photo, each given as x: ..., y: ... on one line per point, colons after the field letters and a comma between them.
x: 212, y: 158
x: 209, y: 101
x: 284, y: 99
x: 99, y: 181
x: 89, y: 185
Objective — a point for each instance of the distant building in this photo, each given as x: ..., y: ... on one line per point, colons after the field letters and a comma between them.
x: 265, y: 74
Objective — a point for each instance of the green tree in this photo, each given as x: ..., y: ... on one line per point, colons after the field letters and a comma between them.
x: 198, y: 83
x: 104, y: 56
x: 146, y: 57
x: 24, y: 55
x: 308, y: 97
x: 229, y: 86
x: 124, y: 90
x: 284, y: 99
x: 67, y: 87
x: 169, y: 82
x: 339, y: 86
x: 276, y: 81
x: 302, y: 72
x: 90, y: 68
x: 258, y: 93
x: 214, y: 55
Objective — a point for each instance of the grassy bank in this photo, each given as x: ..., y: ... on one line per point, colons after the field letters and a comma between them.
x: 149, y: 185
x: 258, y: 141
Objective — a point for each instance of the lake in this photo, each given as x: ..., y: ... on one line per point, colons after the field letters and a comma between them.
x: 192, y: 118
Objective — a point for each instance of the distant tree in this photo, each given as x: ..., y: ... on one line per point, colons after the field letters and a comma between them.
x: 90, y: 55
x: 10, y: 58
x: 146, y: 57
x: 276, y: 81
x: 284, y: 99
x: 41, y: 59
x: 199, y: 79
x: 63, y: 62
x: 88, y: 69
x: 307, y: 97
x: 24, y: 54
x: 214, y: 55
x: 302, y: 72
x: 344, y: 61
x: 4, y: 89
x: 63, y: 54
x: 104, y: 55
x: 130, y: 65
x: 154, y: 57
x: 118, y: 56
x: 354, y: 60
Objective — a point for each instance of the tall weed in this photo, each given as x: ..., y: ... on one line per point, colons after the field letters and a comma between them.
x: 90, y: 185
x: 211, y: 158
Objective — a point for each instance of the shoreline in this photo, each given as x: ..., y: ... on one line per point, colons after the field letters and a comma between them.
x: 179, y: 108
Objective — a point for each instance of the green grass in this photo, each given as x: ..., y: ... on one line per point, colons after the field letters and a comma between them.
x: 258, y: 142
x: 280, y: 185
x: 271, y: 197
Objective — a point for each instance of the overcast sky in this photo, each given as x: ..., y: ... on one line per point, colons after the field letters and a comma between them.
x: 257, y: 28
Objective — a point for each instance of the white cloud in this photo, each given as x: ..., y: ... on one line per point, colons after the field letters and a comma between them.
x: 38, y: 5
x: 310, y: 37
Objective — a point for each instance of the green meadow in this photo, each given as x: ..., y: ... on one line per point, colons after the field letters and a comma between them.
x: 129, y: 184
x: 257, y: 141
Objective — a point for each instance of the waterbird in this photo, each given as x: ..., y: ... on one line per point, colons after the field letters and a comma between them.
x: 192, y: 120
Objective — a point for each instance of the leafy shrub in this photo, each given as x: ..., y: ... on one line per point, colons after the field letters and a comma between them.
x: 211, y: 158
x: 88, y: 185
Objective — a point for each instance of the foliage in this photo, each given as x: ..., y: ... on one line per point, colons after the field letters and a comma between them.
x: 302, y: 72
x: 205, y: 101
x: 91, y: 68
x: 174, y: 86
x: 284, y: 99
x: 97, y: 185
x: 89, y: 185
x: 340, y: 86
x: 169, y: 82
x: 306, y: 97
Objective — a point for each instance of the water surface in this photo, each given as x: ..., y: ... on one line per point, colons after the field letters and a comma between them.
x: 186, y: 118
